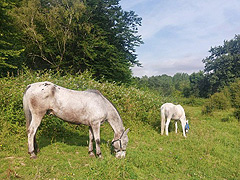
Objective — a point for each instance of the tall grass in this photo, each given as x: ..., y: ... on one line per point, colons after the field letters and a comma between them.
x: 211, y: 150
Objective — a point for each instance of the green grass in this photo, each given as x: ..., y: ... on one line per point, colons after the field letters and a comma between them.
x: 211, y: 150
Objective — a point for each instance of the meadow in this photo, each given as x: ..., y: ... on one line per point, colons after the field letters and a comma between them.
x: 210, y: 151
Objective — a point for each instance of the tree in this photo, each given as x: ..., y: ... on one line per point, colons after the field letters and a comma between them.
x: 199, y: 84
x: 76, y: 35
x: 9, y: 47
x: 47, y: 28
x: 161, y: 84
x: 181, y: 81
x: 223, y: 65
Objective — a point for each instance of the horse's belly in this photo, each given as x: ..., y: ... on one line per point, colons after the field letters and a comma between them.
x: 72, y: 117
x: 174, y: 117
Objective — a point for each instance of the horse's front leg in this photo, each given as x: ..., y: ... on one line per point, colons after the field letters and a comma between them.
x: 175, y: 126
x: 167, y: 124
x: 96, y: 134
x: 183, y: 128
x: 91, y: 138
x: 36, y: 148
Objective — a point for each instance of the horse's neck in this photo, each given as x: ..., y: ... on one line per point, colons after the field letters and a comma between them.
x: 117, y: 126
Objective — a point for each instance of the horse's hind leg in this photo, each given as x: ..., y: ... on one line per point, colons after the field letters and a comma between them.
x: 166, y: 126
x: 36, y: 120
x: 91, y: 138
x: 162, y: 122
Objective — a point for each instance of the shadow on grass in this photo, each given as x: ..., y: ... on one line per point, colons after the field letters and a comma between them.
x: 157, y: 126
x: 69, y: 136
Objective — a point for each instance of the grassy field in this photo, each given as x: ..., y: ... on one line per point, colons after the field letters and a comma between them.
x: 211, y: 150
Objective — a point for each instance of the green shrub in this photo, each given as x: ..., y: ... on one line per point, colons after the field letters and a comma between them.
x: 192, y: 101
x: 207, y: 108
x: 218, y: 101
x: 234, y: 90
x: 236, y: 114
x: 133, y: 104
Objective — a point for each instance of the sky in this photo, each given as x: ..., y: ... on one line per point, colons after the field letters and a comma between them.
x: 178, y: 34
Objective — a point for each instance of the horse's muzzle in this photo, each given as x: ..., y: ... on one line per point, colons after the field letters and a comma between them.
x: 120, y: 154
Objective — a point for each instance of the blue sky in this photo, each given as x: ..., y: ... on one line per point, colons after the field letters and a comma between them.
x: 178, y: 34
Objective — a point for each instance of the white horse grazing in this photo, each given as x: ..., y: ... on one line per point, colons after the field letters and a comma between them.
x: 176, y: 112
x: 78, y: 107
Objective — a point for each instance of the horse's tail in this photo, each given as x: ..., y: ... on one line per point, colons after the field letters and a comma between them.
x: 28, y: 114
x: 162, y: 119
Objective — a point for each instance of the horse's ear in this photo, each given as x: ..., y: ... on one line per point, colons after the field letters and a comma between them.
x: 126, y: 131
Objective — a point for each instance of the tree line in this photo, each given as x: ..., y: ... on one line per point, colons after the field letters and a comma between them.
x: 69, y: 35
x: 221, y: 68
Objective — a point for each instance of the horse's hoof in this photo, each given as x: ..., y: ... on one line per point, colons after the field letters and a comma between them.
x: 100, y: 156
x: 91, y: 155
x: 33, y: 157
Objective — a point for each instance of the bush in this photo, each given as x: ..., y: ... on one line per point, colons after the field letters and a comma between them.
x: 234, y: 90
x: 132, y: 104
x: 192, y: 101
x: 236, y: 114
x: 218, y: 101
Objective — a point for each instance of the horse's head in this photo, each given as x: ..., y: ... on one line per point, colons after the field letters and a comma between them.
x: 187, y: 126
x: 120, y: 145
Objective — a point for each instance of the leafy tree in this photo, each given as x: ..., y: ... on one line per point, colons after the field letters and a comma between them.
x: 76, y: 35
x: 47, y: 27
x: 181, y: 81
x: 223, y: 65
x: 9, y: 48
x: 199, y: 84
x: 161, y: 84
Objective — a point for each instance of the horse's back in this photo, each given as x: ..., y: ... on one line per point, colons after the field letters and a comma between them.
x: 167, y: 107
x: 172, y: 111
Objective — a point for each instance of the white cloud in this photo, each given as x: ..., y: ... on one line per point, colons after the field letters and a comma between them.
x: 178, y: 34
x: 126, y: 4
x: 187, y: 64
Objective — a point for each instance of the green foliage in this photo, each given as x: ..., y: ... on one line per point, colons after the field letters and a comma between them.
x: 192, y: 101
x: 9, y: 47
x: 198, y: 85
x: 164, y: 84
x: 133, y: 104
x: 229, y: 97
x: 218, y: 101
x: 222, y: 66
x: 237, y: 114
x: 75, y: 35
x: 234, y: 93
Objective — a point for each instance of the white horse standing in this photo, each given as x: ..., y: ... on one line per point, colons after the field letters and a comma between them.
x: 79, y: 107
x: 176, y: 112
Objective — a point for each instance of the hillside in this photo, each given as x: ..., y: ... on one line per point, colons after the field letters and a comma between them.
x: 211, y: 150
